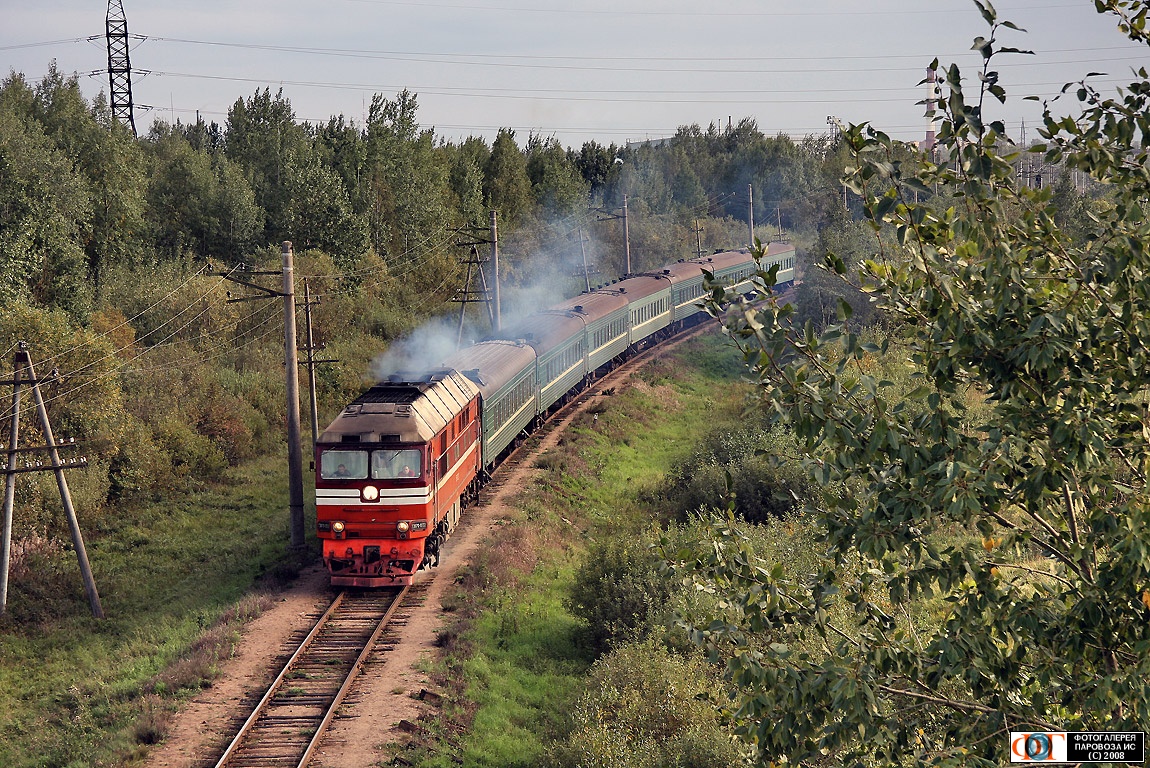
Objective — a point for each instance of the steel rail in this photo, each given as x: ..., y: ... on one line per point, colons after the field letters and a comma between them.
x: 247, y: 726
x: 352, y: 674
x: 250, y: 726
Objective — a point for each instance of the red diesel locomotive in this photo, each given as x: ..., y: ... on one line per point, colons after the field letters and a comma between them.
x: 392, y: 473
x: 396, y: 467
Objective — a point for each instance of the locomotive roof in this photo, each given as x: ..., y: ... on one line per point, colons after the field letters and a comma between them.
x: 408, y: 408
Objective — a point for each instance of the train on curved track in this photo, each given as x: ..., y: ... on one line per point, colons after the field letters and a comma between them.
x: 398, y: 465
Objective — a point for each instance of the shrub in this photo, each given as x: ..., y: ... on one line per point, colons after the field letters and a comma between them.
x: 619, y: 592
x: 190, y: 453
x: 645, y: 707
x: 764, y: 487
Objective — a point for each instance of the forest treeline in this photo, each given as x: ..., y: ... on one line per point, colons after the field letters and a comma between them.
x: 112, y: 247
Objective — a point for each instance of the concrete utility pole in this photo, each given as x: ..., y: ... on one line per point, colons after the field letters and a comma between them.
x: 23, y: 362
x: 10, y: 488
x: 291, y: 370
x: 608, y: 216
x: 583, y: 252
x: 751, y: 215
x: 312, y: 362
x: 495, y: 268
x: 626, y: 238
x: 291, y: 375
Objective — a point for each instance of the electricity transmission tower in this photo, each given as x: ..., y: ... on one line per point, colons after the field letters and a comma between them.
x: 119, y: 65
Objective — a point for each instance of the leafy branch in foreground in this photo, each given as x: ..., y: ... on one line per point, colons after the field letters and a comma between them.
x: 1006, y: 492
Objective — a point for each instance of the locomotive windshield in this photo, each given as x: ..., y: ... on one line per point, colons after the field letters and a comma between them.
x: 343, y: 465
x: 391, y: 464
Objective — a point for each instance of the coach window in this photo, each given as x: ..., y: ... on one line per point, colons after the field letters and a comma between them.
x: 396, y: 464
x: 343, y: 465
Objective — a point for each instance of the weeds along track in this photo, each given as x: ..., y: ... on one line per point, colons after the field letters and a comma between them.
x: 531, y: 446
x: 288, y: 722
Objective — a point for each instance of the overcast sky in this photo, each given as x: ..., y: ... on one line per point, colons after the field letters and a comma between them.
x: 609, y: 70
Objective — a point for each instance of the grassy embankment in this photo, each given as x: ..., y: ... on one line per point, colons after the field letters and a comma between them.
x: 176, y: 581
x: 517, y: 656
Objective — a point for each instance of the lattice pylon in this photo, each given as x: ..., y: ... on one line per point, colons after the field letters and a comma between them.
x: 119, y: 65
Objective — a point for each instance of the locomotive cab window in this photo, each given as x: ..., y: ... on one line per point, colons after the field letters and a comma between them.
x: 343, y: 465
x: 391, y: 464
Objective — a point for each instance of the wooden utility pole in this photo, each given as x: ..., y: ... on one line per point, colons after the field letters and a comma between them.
x: 23, y: 363
x: 698, y: 230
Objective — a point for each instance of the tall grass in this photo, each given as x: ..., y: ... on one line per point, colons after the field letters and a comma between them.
x: 173, y: 577
x: 518, y: 659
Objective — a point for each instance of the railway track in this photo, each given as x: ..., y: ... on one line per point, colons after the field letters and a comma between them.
x: 287, y: 725
x: 288, y: 722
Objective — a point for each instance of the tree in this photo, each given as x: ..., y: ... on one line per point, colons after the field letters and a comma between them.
x: 105, y: 156
x: 45, y: 210
x: 262, y: 136
x: 506, y: 184
x: 199, y: 202
x: 558, y: 186
x: 407, y: 181
x: 318, y: 213
x: 1004, y: 489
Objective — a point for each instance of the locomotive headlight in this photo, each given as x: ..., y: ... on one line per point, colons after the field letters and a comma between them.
x: 403, y: 526
x: 370, y: 493
x: 337, y: 526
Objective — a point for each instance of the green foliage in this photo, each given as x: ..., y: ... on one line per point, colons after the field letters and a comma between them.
x: 558, y: 186
x: 506, y: 185
x: 262, y: 138
x: 199, y: 202
x: 1045, y: 334
x: 45, y: 212
x: 318, y: 213
x: 644, y: 707
x: 749, y: 465
x: 406, y: 191
x: 619, y: 592
x: 818, y: 299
